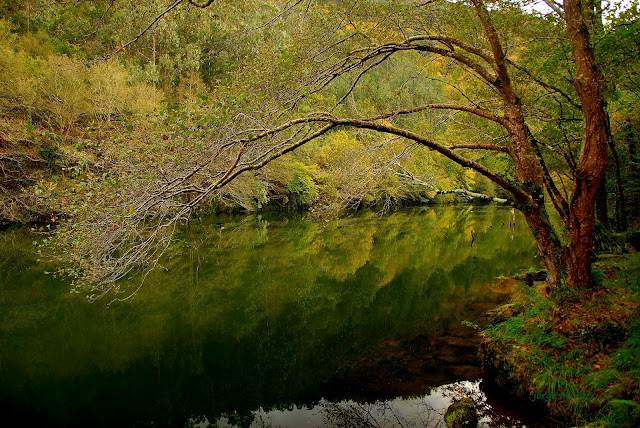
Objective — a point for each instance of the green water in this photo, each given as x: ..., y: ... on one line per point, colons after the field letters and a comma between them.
x: 259, y: 312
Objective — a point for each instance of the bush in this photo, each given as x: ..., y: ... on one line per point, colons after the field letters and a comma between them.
x: 62, y: 90
x: 302, y: 188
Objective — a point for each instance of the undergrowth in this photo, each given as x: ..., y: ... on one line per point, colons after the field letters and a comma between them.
x: 576, y: 355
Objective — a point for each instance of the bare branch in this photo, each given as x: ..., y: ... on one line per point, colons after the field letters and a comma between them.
x: 448, y: 41
x: 517, y: 191
x: 357, y: 79
x: 437, y: 106
x: 360, y: 57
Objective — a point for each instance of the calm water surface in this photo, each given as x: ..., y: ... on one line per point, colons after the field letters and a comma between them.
x: 265, y: 321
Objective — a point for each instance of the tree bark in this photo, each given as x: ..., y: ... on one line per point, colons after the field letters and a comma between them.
x: 547, y: 244
x: 593, y: 159
x: 634, y: 171
x: 595, y: 20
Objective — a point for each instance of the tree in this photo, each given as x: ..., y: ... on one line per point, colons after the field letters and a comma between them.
x: 352, y: 47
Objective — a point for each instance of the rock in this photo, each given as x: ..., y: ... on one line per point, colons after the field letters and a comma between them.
x: 531, y: 277
x: 462, y: 413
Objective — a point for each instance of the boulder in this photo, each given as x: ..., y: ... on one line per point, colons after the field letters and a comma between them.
x: 462, y: 413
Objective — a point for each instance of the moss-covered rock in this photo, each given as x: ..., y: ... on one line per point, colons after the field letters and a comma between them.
x: 462, y: 413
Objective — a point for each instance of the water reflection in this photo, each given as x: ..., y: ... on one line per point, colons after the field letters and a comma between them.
x: 426, y: 411
x: 259, y: 312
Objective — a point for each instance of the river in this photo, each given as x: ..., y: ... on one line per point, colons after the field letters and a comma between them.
x: 267, y: 320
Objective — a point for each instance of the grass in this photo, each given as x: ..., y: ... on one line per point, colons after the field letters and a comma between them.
x: 576, y: 354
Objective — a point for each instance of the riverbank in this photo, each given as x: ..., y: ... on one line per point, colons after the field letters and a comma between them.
x: 580, y: 365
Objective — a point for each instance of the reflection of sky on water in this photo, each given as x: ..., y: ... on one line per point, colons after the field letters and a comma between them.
x: 426, y: 411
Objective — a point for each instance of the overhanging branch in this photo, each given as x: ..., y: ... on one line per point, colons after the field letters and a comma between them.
x: 517, y: 191
x: 493, y: 147
x: 468, y: 109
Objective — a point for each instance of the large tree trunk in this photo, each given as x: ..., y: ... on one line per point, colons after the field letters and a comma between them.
x: 595, y: 22
x: 593, y: 159
x: 529, y: 165
x: 529, y: 172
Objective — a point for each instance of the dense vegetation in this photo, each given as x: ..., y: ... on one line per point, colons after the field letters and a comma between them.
x: 75, y: 123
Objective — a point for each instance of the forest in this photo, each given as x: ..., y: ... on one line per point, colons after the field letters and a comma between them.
x: 123, y: 124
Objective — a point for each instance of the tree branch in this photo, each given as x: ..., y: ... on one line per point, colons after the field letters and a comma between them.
x: 499, y: 57
x: 547, y: 85
x: 357, y: 79
x: 448, y: 41
x: 559, y: 202
x: 360, y: 57
x: 493, y: 147
x: 468, y: 109
x: 556, y: 7
x: 517, y: 191
x: 472, y: 195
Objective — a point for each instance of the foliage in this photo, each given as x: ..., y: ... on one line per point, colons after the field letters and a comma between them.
x: 462, y: 413
x: 302, y: 187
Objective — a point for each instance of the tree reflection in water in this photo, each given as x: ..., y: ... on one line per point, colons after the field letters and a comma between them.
x: 261, y: 312
x: 426, y: 411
